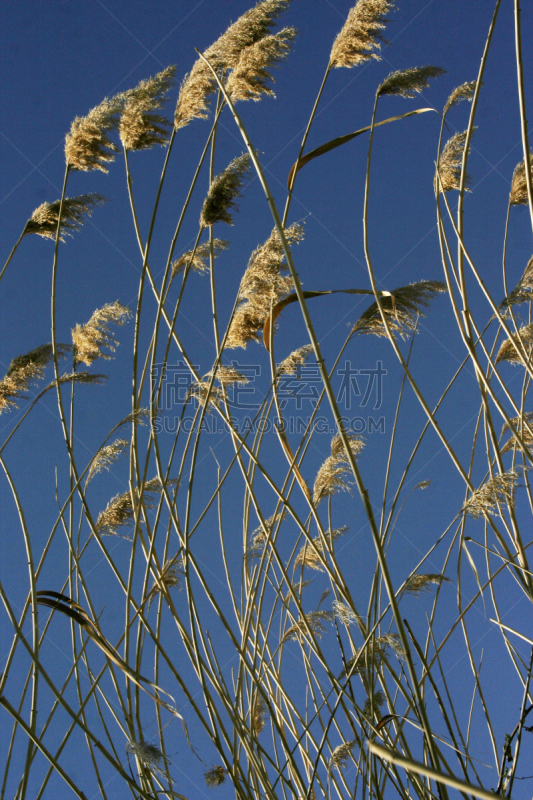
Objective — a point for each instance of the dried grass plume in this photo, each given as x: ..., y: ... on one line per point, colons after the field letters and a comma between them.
x: 225, y: 188
x: 250, y: 78
x: 356, y: 42
x: 332, y: 475
x: 140, y: 128
x: 401, y: 311
x: 44, y: 219
x: 89, y: 339
x: 408, y: 82
x: 88, y: 145
x: 448, y: 175
x: 198, y: 259
x: 26, y: 370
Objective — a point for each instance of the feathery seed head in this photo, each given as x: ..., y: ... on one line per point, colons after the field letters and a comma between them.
x: 227, y: 375
x: 172, y: 573
x: 80, y: 377
x: 263, y: 285
x: 88, y: 145
x: 120, y: 510
x: 309, y: 555
x: 105, y: 457
x: 464, y: 92
x: 401, y: 310
x: 316, y: 623
x: 215, y: 777
x: 296, y: 359
x: 139, y: 127
x: 371, y: 656
x: 89, y: 339
x: 356, y: 42
x: 341, y: 754
x: 408, y: 82
x: 449, y: 167
x: 259, y: 536
x: 519, y: 424
x: 25, y: 370
x: 225, y: 188
x: 44, y: 219
x: 345, y: 614
x: 200, y: 389
x: 198, y: 260
x: 250, y: 77
x: 496, y: 491
x: 245, y: 326
x: 509, y: 349
x: 149, y: 755
x: 373, y: 703
x: 422, y: 485
x: 331, y: 477
x: 199, y: 85
x: 523, y: 290
x: 259, y: 714
x: 518, y: 195
x: 422, y: 583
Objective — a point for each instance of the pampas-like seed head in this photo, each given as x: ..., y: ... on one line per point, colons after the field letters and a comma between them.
x: 25, y: 370
x: 464, y: 92
x: 296, y: 359
x: 139, y: 127
x: 309, y: 554
x: 331, y: 477
x: 227, y: 375
x: 422, y: 583
x: 44, y: 219
x: 518, y: 195
x: 199, y: 390
x: 259, y: 714
x: 263, y: 285
x: 373, y: 703
x: 259, y: 535
x: 225, y: 188
x: 105, y: 457
x: 449, y: 168
x: 523, y: 290
x: 198, y: 261
x: 172, y: 573
x: 250, y: 77
x: 370, y: 657
x: 89, y: 339
x: 401, y: 311
x: 88, y: 145
x: 525, y: 435
x: 316, y: 622
x: 120, y: 511
x: 341, y: 754
x: 509, y: 349
x: 215, y: 776
x: 496, y: 491
x: 356, y: 42
x: 345, y: 614
x: 223, y: 54
x: 149, y: 755
x: 409, y: 82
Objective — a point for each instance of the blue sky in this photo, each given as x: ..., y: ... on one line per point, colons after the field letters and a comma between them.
x: 60, y: 59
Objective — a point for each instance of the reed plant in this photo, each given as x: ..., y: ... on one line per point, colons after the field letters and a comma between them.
x: 240, y: 609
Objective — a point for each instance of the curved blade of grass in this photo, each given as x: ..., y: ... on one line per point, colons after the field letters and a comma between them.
x: 331, y: 145
x: 422, y: 769
x: 293, y: 298
x: 62, y: 603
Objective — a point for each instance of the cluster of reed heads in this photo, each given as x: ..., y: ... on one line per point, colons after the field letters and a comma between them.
x: 326, y: 695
